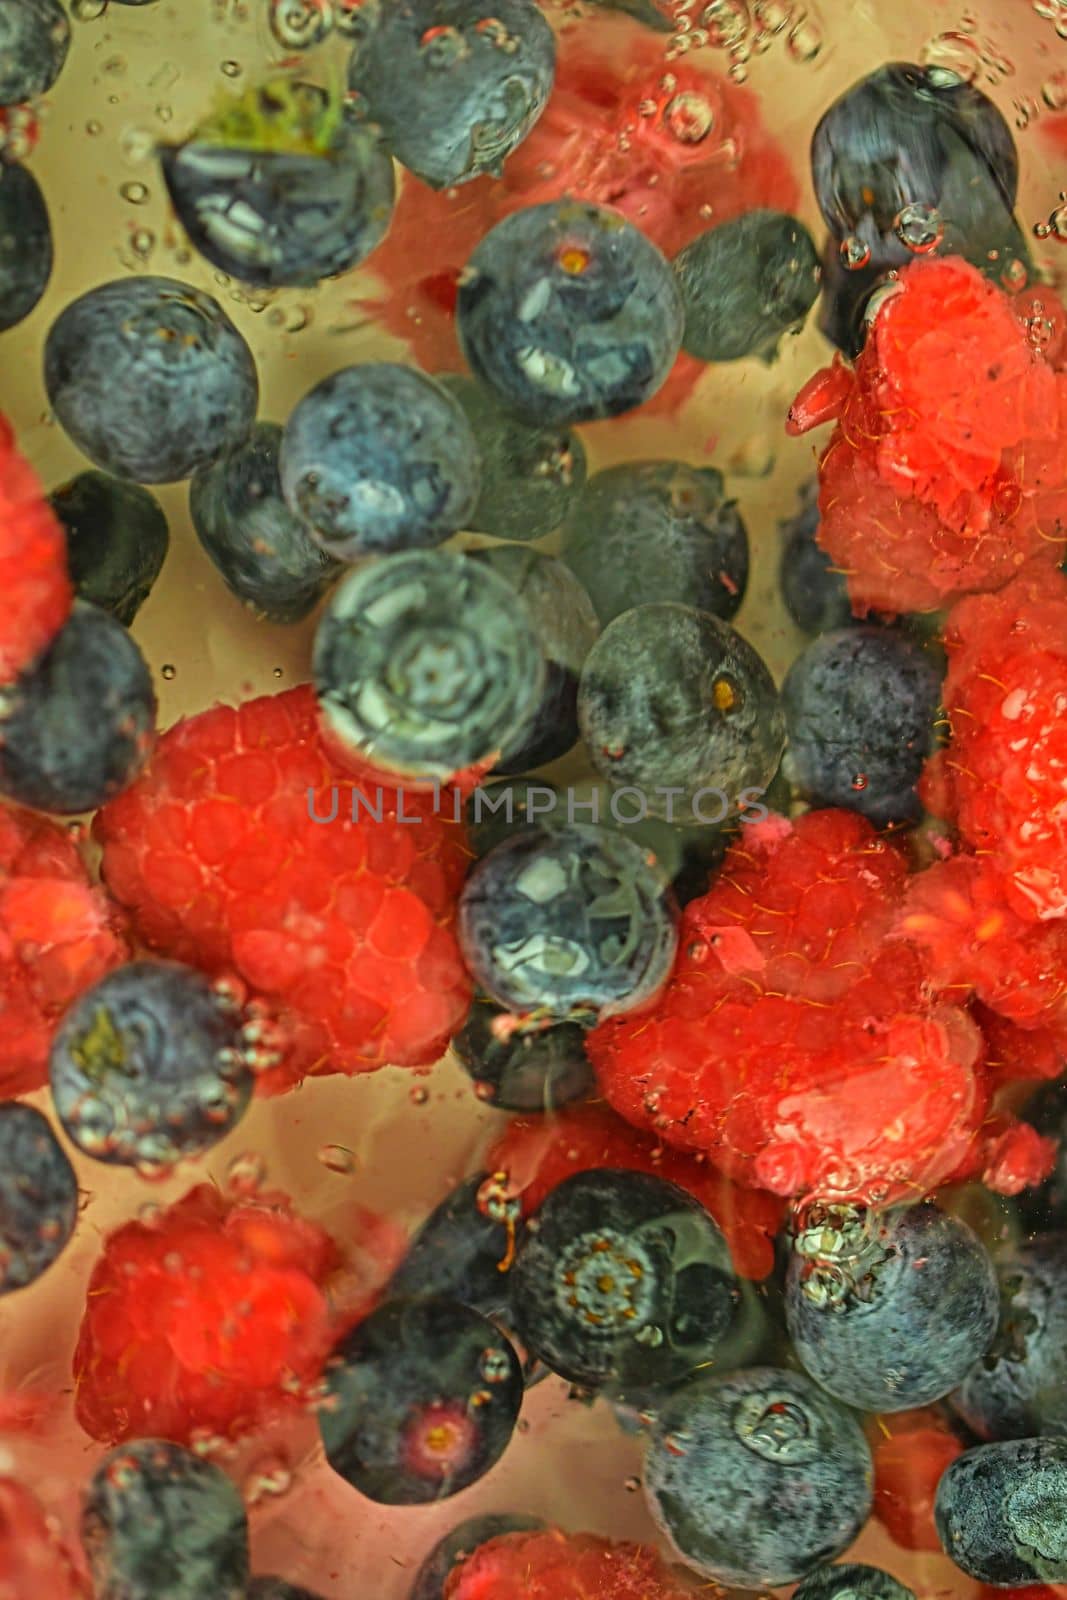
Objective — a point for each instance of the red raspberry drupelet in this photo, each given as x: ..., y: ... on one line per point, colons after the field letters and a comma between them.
x: 551, y: 1565
x: 798, y: 1044
x: 947, y: 469
x: 58, y: 936
x: 33, y: 563
x: 911, y: 1449
x: 534, y: 1154
x: 218, y: 1316
x: 345, y: 927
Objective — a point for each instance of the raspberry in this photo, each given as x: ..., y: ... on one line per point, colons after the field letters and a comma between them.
x: 217, y: 1316
x: 552, y: 1565
x: 33, y: 563
x: 538, y: 1153
x: 344, y: 927
x: 947, y: 468
x: 911, y: 1451
x: 796, y: 1044
x: 57, y: 937
x: 701, y: 145
x: 32, y: 1561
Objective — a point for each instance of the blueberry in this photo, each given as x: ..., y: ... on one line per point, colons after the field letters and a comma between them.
x: 572, y: 923
x: 426, y: 663
x: 860, y: 707
x: 1046, y: 1205
x: 379, y: 458
x: 907, y: 160
x: 852, y: 1581
x: 1018, y: 1388
x: 462, y: 1542
x: 455, y: 89
x: 278, y: 1589
x: 560, y: 613
x: 757, y: 1477
x: 117, y: 541
x: 569, y: 313
x: 889, y: 1311
x: 459, y: 1253
x: 674, y: 703
x: 148, y: 1066
x: 1001, y: 1512
x: 25, y: 241
x: 530, y: 475
x: 814, y: 591
x: 426, y: 1397
x: 150, y: 378
x: 265, y: 554
x: 282, y: 187
x: 625, y: 1282
x: 38, y: 1196
x: 79, y: 724
x: 746, y: 283
x: 34, y: 40
x: 657, y: 530
x: 160, y: 1523
x: 530, y: 1069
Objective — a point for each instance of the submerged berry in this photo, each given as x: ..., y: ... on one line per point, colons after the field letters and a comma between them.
x: 554, y: 1565
x: 814, y: 590
x: 850, y: 1580
x: 33, y: 567
x: 1002, y: 1514
x: 25, y: 242
x: 461, y: 1252
x: 745, y: 284
x: 34, y: 41
x: 456, y: 1547
x: 537, y: 1067
x: 117, y: 541
x: 38, y: 1197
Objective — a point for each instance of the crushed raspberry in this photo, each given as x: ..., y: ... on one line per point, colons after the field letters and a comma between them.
x: 218, y: 1316
x: 345, y: 927
x: 552, y: 1565
x: 826, y: 1068
x: 32, y: 1560
x: 537, y: 1153
x: 33, y: 563
x: 947, y: 468
x: 675, y: 148
x: 911, y: 1449
x: 58, y: 935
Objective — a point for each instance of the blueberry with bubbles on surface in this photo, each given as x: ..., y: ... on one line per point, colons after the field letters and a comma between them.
x: 890, y: 1310
x: 1001, y: 1512
x: 851, y: 1580
x: 745, y: 284
x: 265, y: 555
x: 530, y: 475
x: 757, y: 1477
x: 657, y: 530
x: 538, y: 1068
x: 379, y: 458
x: 160, y: 1523
x: 34, y: 41
x: 25, y: 242
x: 561, y: 615
x: 860, y: 707
x: 150, y: 378
x: 79, y: 724
x: 425, y: 664
x: 569, y: 313
x: 282, y: 187
x: 455, y: 87
x: 814, y: 591
x: 574, y: 923
x: 625, y: 1283
x: 461, y: 1542
x: 117, y: 541
x: 1018, y: 1387
x: 38, y: 1196
x: 270, y: 1588
x: 426, y: 1393
x: 674, y: 704
x: 459, y: 1252
x: 149, y: 1065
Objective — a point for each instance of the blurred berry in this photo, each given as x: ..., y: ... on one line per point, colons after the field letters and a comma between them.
x: 38, y: 1197
x: 745, y: 284
x: 117, y: 541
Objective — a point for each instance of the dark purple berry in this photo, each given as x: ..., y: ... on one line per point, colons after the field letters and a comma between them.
x: 38, y: 1196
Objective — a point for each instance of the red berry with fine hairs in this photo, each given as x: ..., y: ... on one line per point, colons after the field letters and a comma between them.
x: 551, y: 1565
x: 33, y: 563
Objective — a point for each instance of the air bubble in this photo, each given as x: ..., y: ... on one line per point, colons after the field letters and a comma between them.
x: 1014, y: 277
x: 168, y: 671
x: 337, y: 1158
x: 142, y: 243
x: 442, y: 47
x: 87, y: 10
x: 919, y: 228
x: 854, y: 253
x: 92, y: 127
x: 230, y: 69
x: 419, y: 1096
x: 953, y: 53
x: 771, y: 16
x: 1057, y: 222
x: 805, y: 41
x: 859, y: 781
x: 1054, y: 91
x: 245, y: 1173
x: 300, y: 24
x: 495, y: 1366
x: 725, y: 23
x: 268, y: 1479
x: 135, y: 193
x: 631, y: 1485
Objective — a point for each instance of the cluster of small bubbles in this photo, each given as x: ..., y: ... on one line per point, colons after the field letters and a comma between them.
x: 337, y: 1158
x: 245, y: 1173
x: 920, y: 228
x: 725, y: 23
x: 1025, y: 112
x: 18, y: 132
x: 1055, y: 227
x: 135, y: 193
x: 300, y: 24
x: 1054, y: 11
x: 854, y: 253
